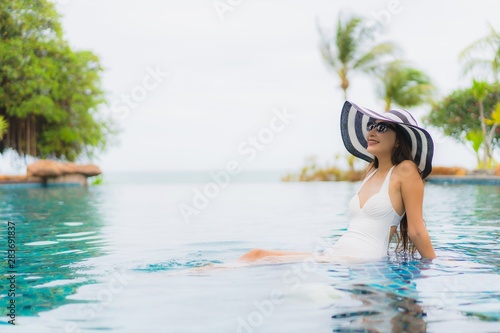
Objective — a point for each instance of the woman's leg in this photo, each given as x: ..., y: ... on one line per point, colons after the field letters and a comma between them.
x: 257, y: 254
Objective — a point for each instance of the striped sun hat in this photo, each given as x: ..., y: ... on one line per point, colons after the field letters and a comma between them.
x: 353, y: 122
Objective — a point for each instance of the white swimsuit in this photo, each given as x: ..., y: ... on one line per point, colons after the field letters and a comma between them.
x: 367, y: 236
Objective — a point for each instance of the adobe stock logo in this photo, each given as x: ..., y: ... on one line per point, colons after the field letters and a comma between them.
x: 383, y: 17
x: 122, y: 106
x: 223, y: 6
x: 249, y: 149
x: 293, y: 280
x: 115, y: 285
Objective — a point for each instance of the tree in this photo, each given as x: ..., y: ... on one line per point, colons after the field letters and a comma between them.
x: 483, y: 56
x: 479, y: 91
x: 49, y: 94
x: 352, y: 48
x: 3, y: 126
x: 458, y: 114
x: 403, y: 85
x: 494, y: 122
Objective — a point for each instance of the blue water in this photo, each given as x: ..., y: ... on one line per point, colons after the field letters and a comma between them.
x: 120, y: 257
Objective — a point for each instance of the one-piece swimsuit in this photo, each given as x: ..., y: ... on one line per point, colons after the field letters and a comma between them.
x: 368, y: 233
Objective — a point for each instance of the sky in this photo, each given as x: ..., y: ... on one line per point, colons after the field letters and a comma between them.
x: 201, y: 84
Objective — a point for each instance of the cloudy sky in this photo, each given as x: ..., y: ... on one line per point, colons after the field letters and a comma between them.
x: 198, y: 83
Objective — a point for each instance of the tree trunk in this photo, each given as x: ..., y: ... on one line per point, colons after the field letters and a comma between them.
x: 491, y: 136
x: 387, y: 104
x: 344, y: 81
x: 21, y: 135
x: 28, y: 139
x: 485, y: 135
x: 32, y: 130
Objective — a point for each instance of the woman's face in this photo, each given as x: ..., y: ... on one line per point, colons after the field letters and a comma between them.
x: 381, y: 138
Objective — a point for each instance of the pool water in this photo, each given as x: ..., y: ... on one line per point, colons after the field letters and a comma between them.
x: 120, y: 257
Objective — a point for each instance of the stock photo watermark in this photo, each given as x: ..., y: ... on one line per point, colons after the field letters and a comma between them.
x: 115, y: 285
x: 222, y: 7
x: 292, y: 279
x: 383, y: 17
x: 126, y: 102
x: 11, y: 276
x: 248, y: 149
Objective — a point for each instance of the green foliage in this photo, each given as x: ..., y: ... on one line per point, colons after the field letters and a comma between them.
x: 3, y: 126
x: 458, y: 114
x: 495, y: 116
x: 49, y: 93
x: 479, y: 89
x: 97, y: 180
x: 475, y: 137
x: 403, y: 85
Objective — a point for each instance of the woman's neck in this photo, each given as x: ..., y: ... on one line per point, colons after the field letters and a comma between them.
x: 384, y: 165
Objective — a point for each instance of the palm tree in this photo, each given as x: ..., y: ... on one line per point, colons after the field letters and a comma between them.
x: 483, y: 55
x: 479, y: 91
x: 495, y: 123
x: 403, y: 85
x: 352, y: 49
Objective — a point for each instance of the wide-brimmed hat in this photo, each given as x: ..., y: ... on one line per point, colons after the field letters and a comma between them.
x: 353, y: 122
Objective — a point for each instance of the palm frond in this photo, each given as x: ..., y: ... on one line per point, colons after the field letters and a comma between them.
x: 404, y: 85
x: 371, y: 59
x: 351, y: 47
x: 473, y: 55
x: 325, y: 48
x: 347, y: 38
x: 482, y: 68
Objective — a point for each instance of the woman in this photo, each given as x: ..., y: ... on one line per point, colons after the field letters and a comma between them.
x: 400, y: 156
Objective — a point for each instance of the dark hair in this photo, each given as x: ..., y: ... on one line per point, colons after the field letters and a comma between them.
x: 401, y: 152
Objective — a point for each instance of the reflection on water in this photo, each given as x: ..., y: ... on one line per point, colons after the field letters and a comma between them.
x: 487, y: 205
x: 384, y: 298
x: 408, y: 296
x: 55, y: 229
x: 404, y: 313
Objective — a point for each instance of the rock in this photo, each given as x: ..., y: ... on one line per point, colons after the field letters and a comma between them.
x: 17, y: 179
x: 76, y: 178
x: 69, y: 168
x: 51, y: 169
x: 448, y: 171
x: 483, y: 172
x: 13, y: 178
x: 44, y: 168
x: 89, y: 170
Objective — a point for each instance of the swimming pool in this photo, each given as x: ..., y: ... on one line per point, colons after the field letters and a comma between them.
x: 119, y: 258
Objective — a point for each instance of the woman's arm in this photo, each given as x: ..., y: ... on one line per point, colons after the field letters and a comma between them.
x: 412, y: 192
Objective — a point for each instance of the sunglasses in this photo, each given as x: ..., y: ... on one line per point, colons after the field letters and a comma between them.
x: 380, y: 127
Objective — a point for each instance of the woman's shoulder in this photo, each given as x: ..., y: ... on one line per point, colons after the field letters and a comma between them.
x: 407, y: 170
